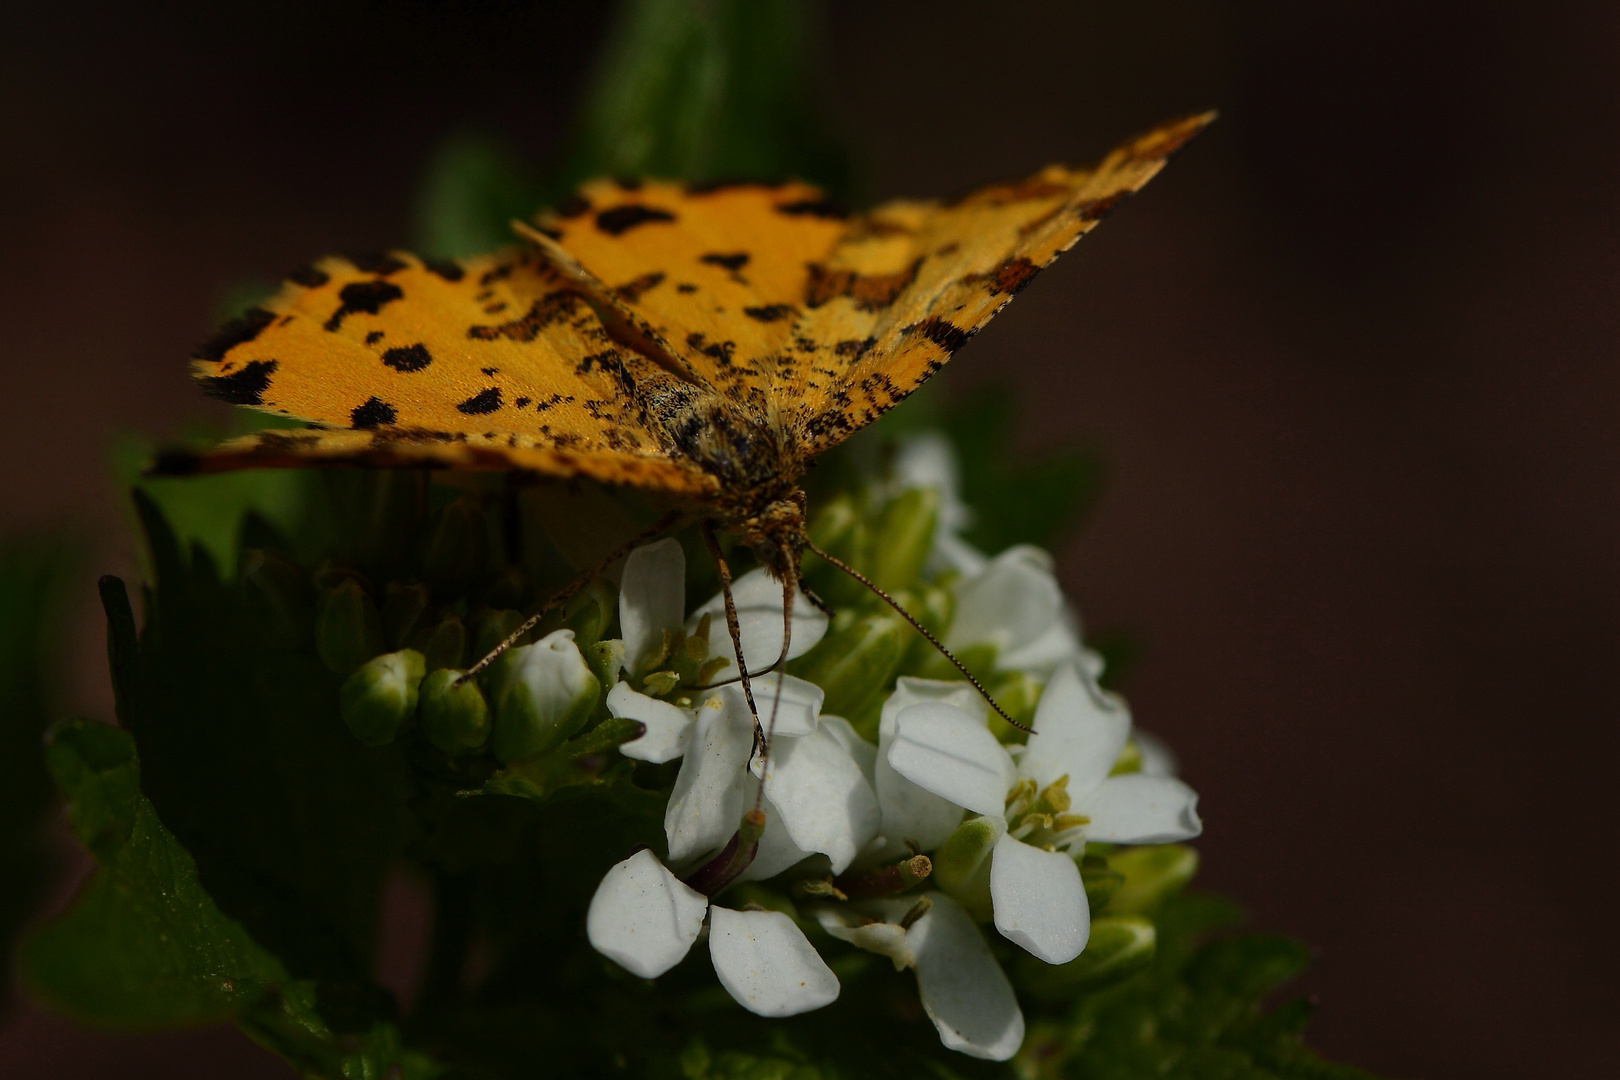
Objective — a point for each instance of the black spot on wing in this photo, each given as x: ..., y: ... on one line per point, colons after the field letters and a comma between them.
x: 621, y: 219
x: 243, y: 387
x: 571, y: 206
x: 374, y: 413
x: 632, y: 290
x: 770, y: 312
x: 309, y: 277
x: 363, y: 298
x: 854, y: 348
x: 485, y: 401
x: 685, y: 287
x: 408, y: 358
x: 819, y: 208
x: 374, y: 337
x: 374, y: 263
x: 448, y: 269
x: 238, y: 331
x: 733, y: 262
x: 942, y: 332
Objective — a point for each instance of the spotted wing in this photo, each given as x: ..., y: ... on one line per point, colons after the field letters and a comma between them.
x: 491, y: 362
x: 907, y: 284
x: 714, y: 276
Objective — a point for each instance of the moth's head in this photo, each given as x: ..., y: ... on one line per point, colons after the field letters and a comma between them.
x: 775, y: 533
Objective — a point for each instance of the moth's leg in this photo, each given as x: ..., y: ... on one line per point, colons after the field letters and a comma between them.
x: 815, y: 600
x: 720, y: 566
x: 567, y: 592
x: 790, y: 583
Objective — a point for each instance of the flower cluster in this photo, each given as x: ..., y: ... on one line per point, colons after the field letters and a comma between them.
x: 905, y: 833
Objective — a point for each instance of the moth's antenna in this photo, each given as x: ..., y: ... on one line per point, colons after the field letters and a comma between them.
x: 921, y: 629
x: 579, y: 581
x: 724, y: 571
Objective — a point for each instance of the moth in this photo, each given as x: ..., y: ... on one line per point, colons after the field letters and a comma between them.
x: 704, y: 342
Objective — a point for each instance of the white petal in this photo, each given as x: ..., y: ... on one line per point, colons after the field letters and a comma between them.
x: 955, y: 554
x: 1157, y: 757
x: 643, y: 917
x: 943, y: 750
x: 669, y: 727
x: 776, y: 851
x: 1039, y: 900
x: 928, y: 460
x: 873, y: 925
x: 767, y: 964
x: 1079, y: 732
x: 1010, y: 604
x: 652, y: 599
x: 864, y: 753
x: 1057, y: 646
x: 759, y: 622
x: 823, y: 797
x: 713, y: 787
x: 1139, y: 809
x: 963, y: 989
x: 798, y: 710
x: 909, y: 691
x: 913, y: 815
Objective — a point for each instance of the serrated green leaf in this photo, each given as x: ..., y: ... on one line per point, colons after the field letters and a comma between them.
x: 143, y: 945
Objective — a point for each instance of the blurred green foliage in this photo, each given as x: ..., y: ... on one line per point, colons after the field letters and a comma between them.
x: 34, y: 574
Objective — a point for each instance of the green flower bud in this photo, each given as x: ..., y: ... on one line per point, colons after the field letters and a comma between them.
x: 456, y: 551
x: 402, y: 612
x: 548, y: 694
x: 492, y: 627
x: 378, y: 698
x: 1100, y: 880
x: 962, y: 865
x: 839, y: 529
x: 444, y: 645
x: 1152, y: 874
x: 902, y: 539
x: 1018, y: 692
x: 1118, y: 947
x: 348, y: 629
x: 454, y: 718
x: 588, y: 613
x: 279, y: 596
x: 606, y: 659
x: 510, y: 589
x: 855, y: 664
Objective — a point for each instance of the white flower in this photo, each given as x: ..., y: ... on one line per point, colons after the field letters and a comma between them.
x: 1015, y: 604
x: 646, y: 919
x: 927, y: 460
x: 1040, y: 809
x: 759, y: 623
x: 652, y: 600
x: 817, y: 797
x: 962, y: 988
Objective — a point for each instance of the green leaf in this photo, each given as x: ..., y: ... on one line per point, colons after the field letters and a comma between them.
x: 473, y: 188
x: 33, y: 575
x: 143, y: 945
x: 711, y: 90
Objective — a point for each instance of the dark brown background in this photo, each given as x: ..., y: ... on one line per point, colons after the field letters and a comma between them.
x: 1352, y: 360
